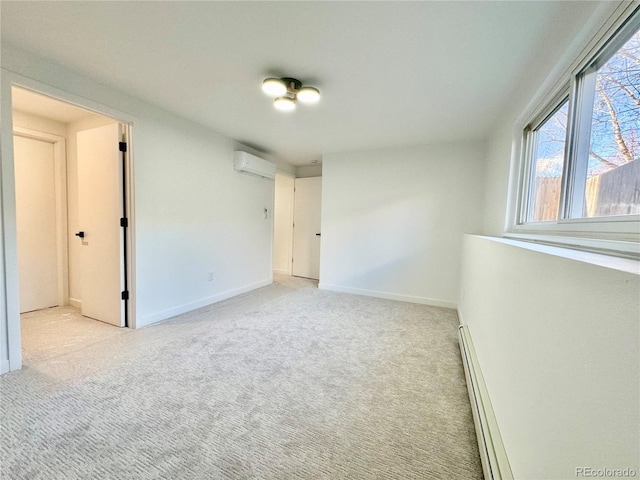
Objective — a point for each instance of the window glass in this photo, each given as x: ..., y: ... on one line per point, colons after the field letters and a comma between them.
x: 548, y: 161
x: 613, y: 171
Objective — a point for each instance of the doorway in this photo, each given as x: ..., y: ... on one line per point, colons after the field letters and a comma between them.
x: 297, y: 219
x: 41, y: 218
x: 306, y: 227
x: 72, y: 214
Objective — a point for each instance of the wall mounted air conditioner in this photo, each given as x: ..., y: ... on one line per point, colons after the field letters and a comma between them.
x: 245, y: 162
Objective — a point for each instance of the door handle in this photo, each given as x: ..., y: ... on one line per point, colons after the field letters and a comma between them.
x: 80, y: 234
x: 317, y: 234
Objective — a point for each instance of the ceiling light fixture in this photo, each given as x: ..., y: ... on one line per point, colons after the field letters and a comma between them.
x: 309, y: 95
x: 285, y: 104
x: 274, y: 87
x: 288, y: 91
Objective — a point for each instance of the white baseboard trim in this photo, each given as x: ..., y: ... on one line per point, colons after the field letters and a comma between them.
x: 4, y: 366
x: 203, y: 302
x: 493, y: 455
x: 74, y: 302
x: 281, y: 271
x: 389, y: 296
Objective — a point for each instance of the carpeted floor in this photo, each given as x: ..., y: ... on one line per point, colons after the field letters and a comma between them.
x: 286, y: 382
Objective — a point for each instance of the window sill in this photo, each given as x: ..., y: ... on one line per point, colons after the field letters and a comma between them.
x: 623, y: 256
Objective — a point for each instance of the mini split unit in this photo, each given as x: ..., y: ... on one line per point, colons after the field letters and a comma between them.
x: 245, y: 162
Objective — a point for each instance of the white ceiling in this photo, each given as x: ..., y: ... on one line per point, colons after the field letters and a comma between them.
x: 390, y: 73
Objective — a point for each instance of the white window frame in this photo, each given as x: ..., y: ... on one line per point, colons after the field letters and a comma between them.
x: 617, y: 235
x: 529, y: 153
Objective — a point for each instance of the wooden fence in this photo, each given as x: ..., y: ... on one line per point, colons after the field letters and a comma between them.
x: 616, y: 192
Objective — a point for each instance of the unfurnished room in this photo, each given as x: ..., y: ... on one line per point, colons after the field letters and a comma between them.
x: 320, y: 240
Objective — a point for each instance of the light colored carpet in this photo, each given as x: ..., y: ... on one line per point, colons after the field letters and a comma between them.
x: 286, y: 382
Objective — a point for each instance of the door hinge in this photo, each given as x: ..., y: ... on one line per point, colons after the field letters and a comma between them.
x: 125, y: 295
x: 122, y: 146
x: 124, y: 222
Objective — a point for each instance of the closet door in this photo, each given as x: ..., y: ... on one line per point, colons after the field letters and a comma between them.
x: 36, y: 223
x: 306, y: 229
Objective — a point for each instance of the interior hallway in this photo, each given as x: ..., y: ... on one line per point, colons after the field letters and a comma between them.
x: 50, y: 334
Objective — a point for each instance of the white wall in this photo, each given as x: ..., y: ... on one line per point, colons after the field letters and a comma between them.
x: 41, y: 124
x: 393, y: 220
x: 557, y: 339
x: 194, y: 214
x: 558, y: 344
x: 305, y: 171
x: 283, y: 224
x: 556, y: 54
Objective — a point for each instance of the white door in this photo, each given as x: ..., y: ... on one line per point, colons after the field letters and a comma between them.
x: 99, y: 212
x: 36, y: 223
x: 283, y: 224
x: 306, y: 229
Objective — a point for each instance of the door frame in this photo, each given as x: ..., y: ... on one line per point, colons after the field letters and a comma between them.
x: 10, y: 338
x: 295, y: 204
x: 60, y: 179
x: 291, y: 195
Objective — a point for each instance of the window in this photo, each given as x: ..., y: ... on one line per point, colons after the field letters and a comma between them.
x: 582, y: 153
x: 611, y: 183
x: 547, y: 162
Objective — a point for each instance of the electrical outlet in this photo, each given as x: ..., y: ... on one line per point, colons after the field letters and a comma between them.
x: 211, y: 276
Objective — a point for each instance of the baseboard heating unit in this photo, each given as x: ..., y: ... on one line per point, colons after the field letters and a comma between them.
x: 495, y: 463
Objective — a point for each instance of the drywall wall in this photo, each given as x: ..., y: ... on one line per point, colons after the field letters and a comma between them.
x: 283, y: 224
x: 497, y: 179
x: 305, y: 171
x: 196, y: 218
x: 393, y: 220
x: 558, y: 344
x: 41, y: 124
x: 556, y: 338
x: 550, y: 66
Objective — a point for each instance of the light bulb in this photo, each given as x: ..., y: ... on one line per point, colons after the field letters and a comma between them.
x: 284, y: 104
x: 274, y: 87
x: 308, y: 95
